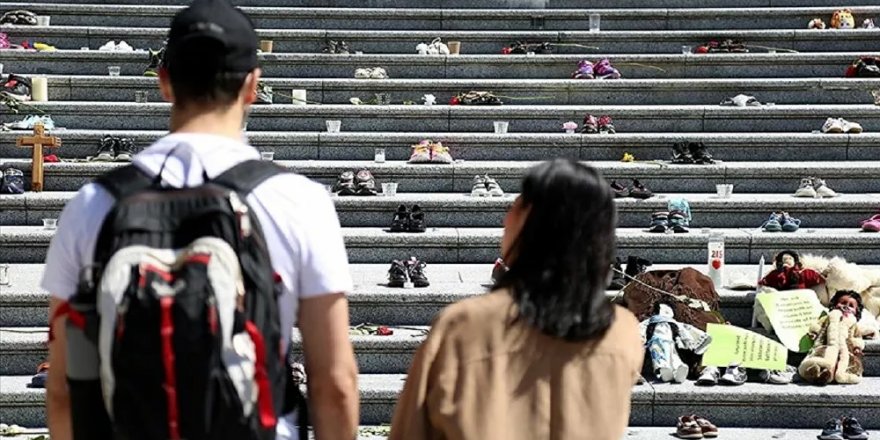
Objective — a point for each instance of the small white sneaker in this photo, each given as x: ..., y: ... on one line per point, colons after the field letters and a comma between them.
x: 850, y: 127
x: 822, y: 190
x: 493, y: 187
x: 109, y: 46
x: 124, y: 47
x: 832, y: 125
x: 479, y: 189
x: 806, y: 189
x: 362, y: 73
x: 709, y: 376
x: 378, y: 73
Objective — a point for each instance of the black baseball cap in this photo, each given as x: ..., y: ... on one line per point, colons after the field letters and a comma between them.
x: 212, y: 35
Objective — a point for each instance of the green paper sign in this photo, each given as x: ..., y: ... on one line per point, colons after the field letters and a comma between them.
x: 733, y: 345
x: 792, y: 312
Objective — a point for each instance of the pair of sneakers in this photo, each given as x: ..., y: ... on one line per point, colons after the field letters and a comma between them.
x: 691, y: 153
x: 603, y: 125
x: 600, y: 70
x: 371, y: 73
x: 12, y: 181
x: 29, y: 122
x: 437, y: 47
x: 846, y: 428
x: 635, y: 190
x: 428, y: 151
x: 733, y: 375
x: 634, y: 266
x: 677, y: 218
x: 485, y: 186
x: 16, y: 87
x: 781, y: 222
x: 336, y: 47
x: 19, y: 17
x: 361, y: 184
x: 112, y: 46
x: 814, y: 187
x: 409, y: 271
x: 694, y: 427
x: 114, y: 149
x: 408, y: 220
x: 840, y: 125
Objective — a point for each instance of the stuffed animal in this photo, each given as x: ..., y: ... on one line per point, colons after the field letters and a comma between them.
x: 437, y: 47
x: 842, y: 275
x: 816, y: 23
x: 843, y: 19
x: 789, y: 273
x: 663, y: 336
x: 837, y: 353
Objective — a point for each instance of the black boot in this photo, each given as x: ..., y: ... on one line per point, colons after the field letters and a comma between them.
x: 681, y: 153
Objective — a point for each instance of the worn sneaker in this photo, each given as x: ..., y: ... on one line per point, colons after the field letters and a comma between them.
x: 264, y: 93
x: 636, y: 265
x: 850, y: 127
x: 832, y: 125
x: 106, y: 150
x: 604, y: 70
x: 822, y: 190
x: 493, y: 187
x: 778, y: 377
x: 417, y: 220
x: 584, y: 70
x: 25, y: 124
x: 440, y: 154
x: 421, y: 152
x: 124, y: 47
x: 17, y: 87
x: 709, y: 376
x: 620, y: 191
x: 345, y: 184
x: 806, y: 189
x: 659, y: 222
x: 12, y: 182
x: 417, y: 274
x: 498, y: 270
x: 591, y: 125
x: 688, y: 428
x: 679, y: 215
x: 789, y: 223
x: 155, y: 62
x: 19, y: 17
x: 605, y: 125
x: 833, y: 431
x: 365, y: 183
x: 773, y: 223
x: 124, y: 150
x: 852, y: 429
x: 479, y: 188
x: 733, y: 375
x: 681, y: 153
x: 397, y: 274
x: 700, y: 153
x: 709, y: 429
x: 639, y: 191
x: 109, y: 46
x: 401, y: 219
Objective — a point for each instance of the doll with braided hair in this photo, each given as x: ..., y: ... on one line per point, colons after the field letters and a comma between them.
x: 838, y: 350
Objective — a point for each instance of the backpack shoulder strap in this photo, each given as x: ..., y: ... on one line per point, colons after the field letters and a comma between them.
x: 125, y: 181
x: 246, y: 176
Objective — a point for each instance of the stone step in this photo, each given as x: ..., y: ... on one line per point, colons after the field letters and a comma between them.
x: 538, y: 91
x: 775, y: 147
x: 411, y: 65
x: 522, y: 118
x: 508, y: 4
x: 28, y: 244
x: 463, y: 210
x: 853, y: 177
x: 475, y: 42
x: 752, y: 405
x: 454, y: 19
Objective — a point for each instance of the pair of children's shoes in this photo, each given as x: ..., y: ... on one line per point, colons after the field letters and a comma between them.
x: 408, y: 220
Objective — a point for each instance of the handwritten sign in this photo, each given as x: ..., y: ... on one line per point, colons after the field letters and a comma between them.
x: 734, y: 345
x: 791, y: 313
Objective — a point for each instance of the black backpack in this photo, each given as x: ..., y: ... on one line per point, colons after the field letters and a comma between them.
x: 174, y: 332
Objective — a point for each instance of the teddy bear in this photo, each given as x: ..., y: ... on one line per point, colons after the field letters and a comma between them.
x: 837, y: 352
x: 816, y: 23
x: 838, y: 274
x: 843, y: 19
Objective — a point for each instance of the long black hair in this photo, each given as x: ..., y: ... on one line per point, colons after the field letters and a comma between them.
x: 561, y: 258
x: 852, y: 294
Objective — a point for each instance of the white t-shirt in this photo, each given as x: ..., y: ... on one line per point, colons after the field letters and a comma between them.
x: 297, y: 216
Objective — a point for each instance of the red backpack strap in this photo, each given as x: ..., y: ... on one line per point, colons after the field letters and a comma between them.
x: 76, y: 318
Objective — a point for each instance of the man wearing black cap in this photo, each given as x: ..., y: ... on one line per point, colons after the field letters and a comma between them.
x: 210, y: 75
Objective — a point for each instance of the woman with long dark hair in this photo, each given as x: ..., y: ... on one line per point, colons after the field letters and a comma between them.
x: 545, y: 355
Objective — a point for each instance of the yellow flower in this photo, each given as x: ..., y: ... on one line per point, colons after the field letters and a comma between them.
x: 627, y: 157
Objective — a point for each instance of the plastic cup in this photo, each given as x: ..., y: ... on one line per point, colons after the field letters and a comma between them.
x: 50, y: 224
x: 267, y: 155
x: 724, y: 190
x: 389, y: 189
x: 595, y: 22
x: 454, y: 47
x: 501, y: 127
x: 114, y: 70
x: 380, y: 155
x: 266, y: 46
x: 43, y: 20
x: 333, y: 126
x: 685, y: 49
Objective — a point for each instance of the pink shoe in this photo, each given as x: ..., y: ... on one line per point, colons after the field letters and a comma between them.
x: 872, y: 224
x: 604, y: 70
x: 584, y: 70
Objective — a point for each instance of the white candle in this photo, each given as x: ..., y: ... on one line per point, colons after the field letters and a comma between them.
x: 40, y: 89
x: 299, y: 96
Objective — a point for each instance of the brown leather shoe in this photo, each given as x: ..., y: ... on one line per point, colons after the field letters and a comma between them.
x: 688, y: 428
x: 709, y: 430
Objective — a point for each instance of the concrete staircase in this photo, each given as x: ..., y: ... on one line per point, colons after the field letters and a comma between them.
x: 664, y: 97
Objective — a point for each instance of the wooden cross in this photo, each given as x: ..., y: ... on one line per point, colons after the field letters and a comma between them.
x: 38, y: 141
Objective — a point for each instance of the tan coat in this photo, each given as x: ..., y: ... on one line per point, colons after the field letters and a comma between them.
x: 832, y: 359
x: 481, y: 376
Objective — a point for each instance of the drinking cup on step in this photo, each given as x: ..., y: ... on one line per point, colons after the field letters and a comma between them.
x: 379, y: 157
x: 595, y: 21
x: 724, y: 190
x: 43, y: 20
x: 501, y: 127
x: 114, y: 70
x: 50, y: 224
x: 454, y: 47
x: 4, y: 275
x: 389, y: 189
x: 266, y: 46
x: 267, y: 155
x: 333, y: 126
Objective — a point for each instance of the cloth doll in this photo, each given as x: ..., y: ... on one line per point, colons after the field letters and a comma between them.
x: 837, y: 353
x: 790, y: 274
x: 663, y: 336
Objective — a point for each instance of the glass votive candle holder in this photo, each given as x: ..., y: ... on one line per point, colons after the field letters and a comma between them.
x: 333, y: 126
x: 595, y: 22
x: 114, y: 70
x: 4, y: 275
x: 379, y: 157
x: 50, y: 224
x: 389, y: 189
x: 267, y: 155
x: 501, y: 127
